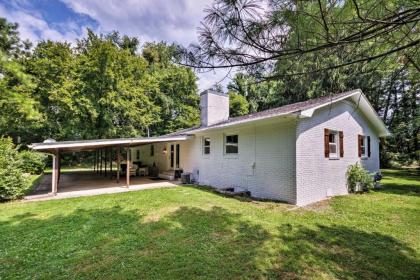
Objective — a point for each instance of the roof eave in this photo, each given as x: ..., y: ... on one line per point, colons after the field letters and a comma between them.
x: 43, y: 147
x: 367, y: 109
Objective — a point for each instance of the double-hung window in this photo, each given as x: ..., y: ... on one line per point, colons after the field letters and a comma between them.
x: 206, y: 146
x: 364, y: 146
x: 333, y: 144
x: 231, y: 144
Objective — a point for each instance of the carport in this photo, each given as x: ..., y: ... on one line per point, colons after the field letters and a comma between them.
x: 106, y: 152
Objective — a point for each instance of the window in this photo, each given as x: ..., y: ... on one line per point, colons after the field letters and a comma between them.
x: 152, y: 150
x: 206, y: 146
x: 364, y: 146
x: 231, y: 144
x: 333, y: 144
x: 138, y: 154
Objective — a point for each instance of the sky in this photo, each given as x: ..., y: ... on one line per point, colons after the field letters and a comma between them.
x: 149, y: 20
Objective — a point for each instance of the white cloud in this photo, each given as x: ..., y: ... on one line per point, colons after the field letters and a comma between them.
x: 158, y: 20
x: 33, y: 27
x: 172, y: 21
x: 149, y: 20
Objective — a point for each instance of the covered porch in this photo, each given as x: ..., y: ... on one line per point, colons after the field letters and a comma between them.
x: 85, y: 183
x: 114, y: 167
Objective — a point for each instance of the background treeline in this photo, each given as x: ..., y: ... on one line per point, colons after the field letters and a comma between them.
x: 103, y: 86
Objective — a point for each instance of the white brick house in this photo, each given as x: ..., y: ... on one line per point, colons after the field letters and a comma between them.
x: 298, y: 153
x: 282, y: 154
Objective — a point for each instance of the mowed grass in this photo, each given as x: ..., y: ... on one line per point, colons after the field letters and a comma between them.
x: 189, y: 232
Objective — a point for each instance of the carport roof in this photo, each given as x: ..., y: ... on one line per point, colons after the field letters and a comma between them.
x: 87, y: 145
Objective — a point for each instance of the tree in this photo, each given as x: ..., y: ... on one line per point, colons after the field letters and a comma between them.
x: 238, y: 106
x: 172, y: 88
x: 13, y: 184
x: 10, y: 43
x: 52, y: 64
x: 292, y: 51
x: 243, y: 33
x: 111, y: 88
x: 260, y: 96
x: 17, y: 107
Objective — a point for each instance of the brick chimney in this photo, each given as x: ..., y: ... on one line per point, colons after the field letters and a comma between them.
x: 214, y: 107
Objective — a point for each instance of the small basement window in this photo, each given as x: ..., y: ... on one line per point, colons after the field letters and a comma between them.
x: 206, y: 146
x: 231, y: 144
x: 333, y: 144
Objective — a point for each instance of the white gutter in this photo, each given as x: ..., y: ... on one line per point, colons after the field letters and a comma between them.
x: 105, y: 142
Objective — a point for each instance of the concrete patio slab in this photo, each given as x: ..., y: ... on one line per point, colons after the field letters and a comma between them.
x: 88, y: 183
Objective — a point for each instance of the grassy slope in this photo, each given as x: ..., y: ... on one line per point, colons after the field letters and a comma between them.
x: 188, y: 232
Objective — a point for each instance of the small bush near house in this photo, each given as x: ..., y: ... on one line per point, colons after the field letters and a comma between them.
x: 356, y: 174
x: 13, y: 184
x: 32, y: 162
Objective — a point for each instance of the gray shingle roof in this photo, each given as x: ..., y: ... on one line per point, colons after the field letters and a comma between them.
x: 283, y: 110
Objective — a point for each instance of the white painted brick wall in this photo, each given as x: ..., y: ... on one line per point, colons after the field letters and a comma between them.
x: 288, y: 155
x: 270, y: 146
x: 316, y: 174
x: 161, y: 159
x: 214, y: 107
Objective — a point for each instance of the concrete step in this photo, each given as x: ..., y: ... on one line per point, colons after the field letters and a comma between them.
x: 167, y: 176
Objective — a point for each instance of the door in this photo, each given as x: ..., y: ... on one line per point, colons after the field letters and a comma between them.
x: 174, y: 158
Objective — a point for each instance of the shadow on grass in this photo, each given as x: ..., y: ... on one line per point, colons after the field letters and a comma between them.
x: 242, y: 198
x: 342, y: 252
x: 189, y: 242
x: 402, y: 182
x: 398, y: 188
x: 113, y: 243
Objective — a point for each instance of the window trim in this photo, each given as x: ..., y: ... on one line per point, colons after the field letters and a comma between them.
x: 204, y: 146
x: 364, y: 145
x: 225, y: 144
x: 336, y: 142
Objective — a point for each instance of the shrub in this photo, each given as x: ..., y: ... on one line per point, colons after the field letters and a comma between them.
x: 13, y: 184
x: 356, y: 174
x: 32, y: 162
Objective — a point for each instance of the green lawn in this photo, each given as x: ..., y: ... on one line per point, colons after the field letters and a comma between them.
x: 189, y: 232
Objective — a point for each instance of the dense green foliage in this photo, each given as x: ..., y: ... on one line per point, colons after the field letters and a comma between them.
x: 357, y: 175
x: 32, y: 162
x: 100, y: 88
x: 188, y: 233
x: 238, y: 105
x: 13, y: 183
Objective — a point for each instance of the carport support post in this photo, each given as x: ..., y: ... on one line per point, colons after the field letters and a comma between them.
x: 97, y: 160
x: 106, y: 150
x: 110, y: 162
x: 118, y: 164
x: 127, y: 172
x: 100, y: 161
x: 54, y: 177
